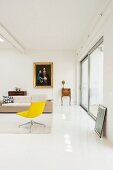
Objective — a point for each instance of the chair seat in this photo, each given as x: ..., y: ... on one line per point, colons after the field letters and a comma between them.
x: 35, y: 110
x: 24, y: 114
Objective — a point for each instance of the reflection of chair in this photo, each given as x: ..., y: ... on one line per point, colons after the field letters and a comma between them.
x: 34, y: 110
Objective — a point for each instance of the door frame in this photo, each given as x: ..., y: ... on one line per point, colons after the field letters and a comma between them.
x: 87, y: 56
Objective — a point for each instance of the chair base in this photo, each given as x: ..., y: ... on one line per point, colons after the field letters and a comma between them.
x: 31, y: 123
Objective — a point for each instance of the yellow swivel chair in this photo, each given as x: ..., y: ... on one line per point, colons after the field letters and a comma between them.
x: 34, y: 110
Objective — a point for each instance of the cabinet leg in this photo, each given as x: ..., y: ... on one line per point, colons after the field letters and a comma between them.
x: 61, y: 101
x: 70, y: 100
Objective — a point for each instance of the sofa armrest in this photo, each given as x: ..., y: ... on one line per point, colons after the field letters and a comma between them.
x: 1, y: 102
x: 48, y: 107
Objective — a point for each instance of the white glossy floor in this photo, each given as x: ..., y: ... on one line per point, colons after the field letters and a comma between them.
x: 72, y: 145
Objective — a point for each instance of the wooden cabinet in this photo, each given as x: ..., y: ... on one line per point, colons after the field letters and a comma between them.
x: 17, y: 93
x: 66, y: 92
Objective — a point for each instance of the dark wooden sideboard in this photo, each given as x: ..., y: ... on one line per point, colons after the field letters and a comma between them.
x: 17, y: 93
x: 66, y: 92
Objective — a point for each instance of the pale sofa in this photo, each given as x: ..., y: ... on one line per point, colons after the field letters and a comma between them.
x: 22, y: 103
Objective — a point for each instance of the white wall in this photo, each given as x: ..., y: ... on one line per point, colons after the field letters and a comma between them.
x: 104, y: 28
x: 16, y: 70
x: 108, y: 76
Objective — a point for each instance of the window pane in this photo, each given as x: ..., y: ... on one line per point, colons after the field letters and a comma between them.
x: 96, y: 79
x: 84, y: 86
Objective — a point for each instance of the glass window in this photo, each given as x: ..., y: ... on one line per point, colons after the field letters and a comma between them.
x: 92, y: 79
x: 84, y: 86
x: 96, y: 79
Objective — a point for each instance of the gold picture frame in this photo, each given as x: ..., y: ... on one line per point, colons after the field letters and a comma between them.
x: 43, y: 75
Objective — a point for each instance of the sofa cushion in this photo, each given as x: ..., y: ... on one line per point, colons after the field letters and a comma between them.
x: 22, y: 99
x: 39, y: 97
x: 8, y: 99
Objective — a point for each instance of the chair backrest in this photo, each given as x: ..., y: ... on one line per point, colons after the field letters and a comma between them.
x: 36, y: 108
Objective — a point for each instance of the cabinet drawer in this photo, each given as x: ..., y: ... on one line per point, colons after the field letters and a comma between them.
x: 66, y: 92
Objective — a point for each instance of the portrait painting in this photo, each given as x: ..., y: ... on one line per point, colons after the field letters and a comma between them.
x: 43, y: 74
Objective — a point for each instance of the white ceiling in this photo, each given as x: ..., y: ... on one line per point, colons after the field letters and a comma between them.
x: 5, y: 44
x: 48, y: 24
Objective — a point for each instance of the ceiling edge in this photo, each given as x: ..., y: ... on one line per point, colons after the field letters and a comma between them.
x: 11, y: 39
x: 98, y: 21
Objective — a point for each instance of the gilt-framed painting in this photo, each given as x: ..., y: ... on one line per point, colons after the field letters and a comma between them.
x: 43, y: 75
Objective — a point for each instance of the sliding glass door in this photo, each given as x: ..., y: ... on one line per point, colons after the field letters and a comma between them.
x: 96, y: 79
x: 84, y: 83
x: 92, y: 79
